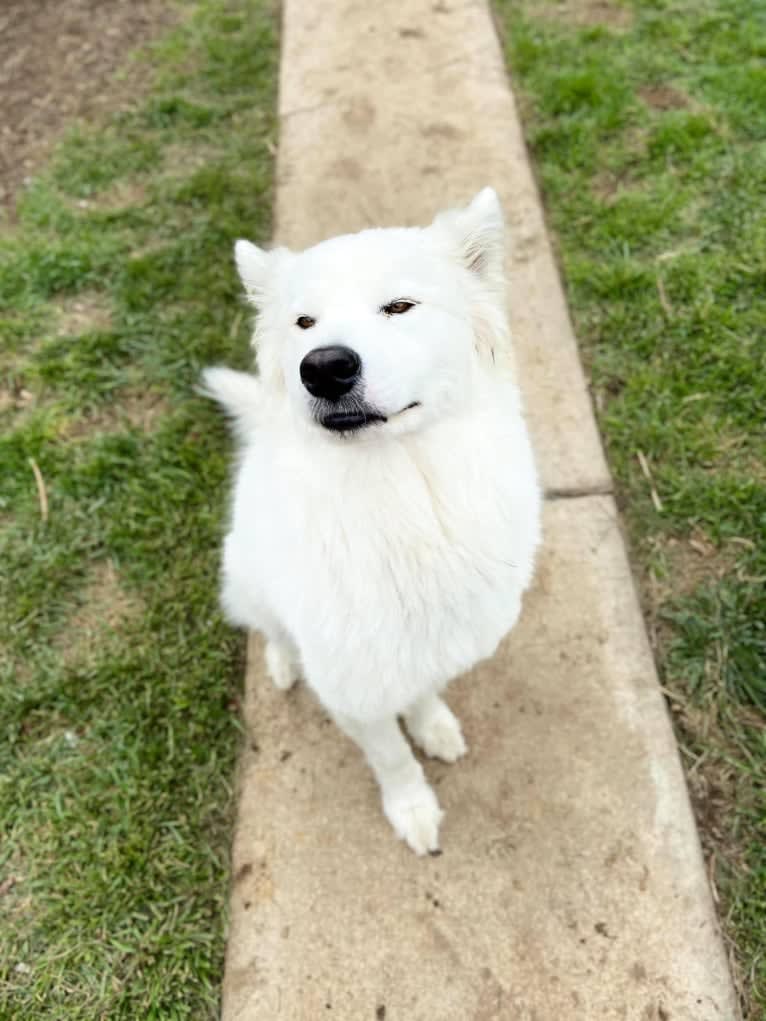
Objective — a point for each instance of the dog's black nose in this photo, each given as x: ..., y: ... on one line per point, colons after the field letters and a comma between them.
x: 330, y: 372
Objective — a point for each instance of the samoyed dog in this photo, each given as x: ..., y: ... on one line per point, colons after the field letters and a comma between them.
x: 386, y: 507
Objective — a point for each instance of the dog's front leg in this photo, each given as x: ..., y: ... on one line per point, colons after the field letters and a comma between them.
x: 435, y: 728
x: 408, y: 802
x: 282, y: 664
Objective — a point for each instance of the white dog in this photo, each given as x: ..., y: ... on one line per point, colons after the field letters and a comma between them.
x: 386, y: 508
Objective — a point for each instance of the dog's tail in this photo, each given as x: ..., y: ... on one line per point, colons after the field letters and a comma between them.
x: 239, y: 393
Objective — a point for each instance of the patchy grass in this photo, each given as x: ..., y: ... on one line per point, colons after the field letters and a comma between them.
x: 118, y: 678
x: 647, y: 122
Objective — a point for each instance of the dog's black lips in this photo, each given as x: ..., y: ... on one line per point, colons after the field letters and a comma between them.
x: 348, y: 421
x: 354, y: 418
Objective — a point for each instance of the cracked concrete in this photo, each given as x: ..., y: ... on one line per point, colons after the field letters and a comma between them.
x: 572, y: 884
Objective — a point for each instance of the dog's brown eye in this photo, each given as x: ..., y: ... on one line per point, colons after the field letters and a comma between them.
x: 397, y: 308
x: 305, y: 322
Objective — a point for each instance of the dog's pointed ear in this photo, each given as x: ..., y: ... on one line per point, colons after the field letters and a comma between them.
x: 475, y: 236
x: 479, y: 231
x: 256, y: 268
x: 252, y: 264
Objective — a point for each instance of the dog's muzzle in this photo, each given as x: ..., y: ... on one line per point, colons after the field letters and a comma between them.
x: 332, y: 375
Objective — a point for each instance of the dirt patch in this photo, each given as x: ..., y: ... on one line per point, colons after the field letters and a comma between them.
x: 181, y: 161
x: 607, y: 186
x: 138, y: 410
x: 690, y: 562
x: 584, y: 13
x: 713, y: 790
x: 16, y: 398
x: 681, y: 566
x: 15, y: 902
x: 86, y: 311
x: 664, y: 97
x: 57, y: 63
x: 104, y: 609
x: 122, y: 195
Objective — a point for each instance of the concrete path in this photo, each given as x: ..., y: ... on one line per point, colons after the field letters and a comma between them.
x: 571, y: 884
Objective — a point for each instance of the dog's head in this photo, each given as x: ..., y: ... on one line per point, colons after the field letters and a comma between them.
x: 384, y: 328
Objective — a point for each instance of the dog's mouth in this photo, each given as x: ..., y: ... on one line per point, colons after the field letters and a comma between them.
x: 352, y: 420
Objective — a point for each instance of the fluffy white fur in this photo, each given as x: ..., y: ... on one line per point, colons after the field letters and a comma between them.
x: 381, y: 563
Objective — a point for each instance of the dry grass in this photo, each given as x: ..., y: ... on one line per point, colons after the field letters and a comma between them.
x: 583, y: 13
x: 83, y: 312
x: 104, y: 609
x: 142, y: 411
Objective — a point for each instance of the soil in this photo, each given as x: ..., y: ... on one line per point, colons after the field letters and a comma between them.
x: 584, y: 13
x: 87, y: 310
x: 104, y: 609
x: 57, y: 64
x: 664, y: 97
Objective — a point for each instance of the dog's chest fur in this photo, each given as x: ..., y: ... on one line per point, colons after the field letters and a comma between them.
x: 393, y: 565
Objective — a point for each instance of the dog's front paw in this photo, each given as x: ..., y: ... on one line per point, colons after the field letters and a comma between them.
x: 281, y: 667
x: 415, y: 815
x: 437, y: 732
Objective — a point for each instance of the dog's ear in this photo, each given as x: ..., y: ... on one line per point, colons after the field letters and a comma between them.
x: 252, y: 264
x: 479, y: 231
x: 256, y: 267
x: 476, y: 234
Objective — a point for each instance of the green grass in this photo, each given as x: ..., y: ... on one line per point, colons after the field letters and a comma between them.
x: 118, y: 677
x: 648, y: 131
